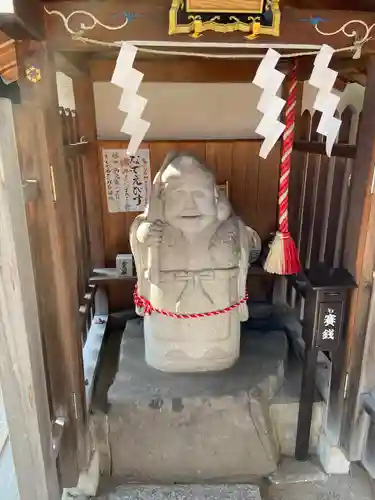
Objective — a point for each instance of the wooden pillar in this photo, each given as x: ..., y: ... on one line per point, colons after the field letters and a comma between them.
x: 359, y: 254
x: 22, y: 373
x: 85, y: 107
x: 55, y: 261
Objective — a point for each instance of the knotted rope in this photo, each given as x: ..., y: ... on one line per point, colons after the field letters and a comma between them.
x: 283, y: 255
x: 148, y: 308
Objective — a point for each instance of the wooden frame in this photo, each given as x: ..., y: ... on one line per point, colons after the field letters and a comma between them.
x: 22, y: 22
x: 21, y: 355
x: 359, y: 258
x: 53, y: 225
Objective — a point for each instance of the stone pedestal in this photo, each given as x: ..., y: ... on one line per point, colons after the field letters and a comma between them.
x: 195, y: 427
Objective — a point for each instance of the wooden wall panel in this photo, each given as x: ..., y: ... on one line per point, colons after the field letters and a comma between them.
x: 253, y: 186
x: 321, y: 207
x: 268, y: 185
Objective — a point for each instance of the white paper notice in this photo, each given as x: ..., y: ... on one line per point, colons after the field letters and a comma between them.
x: 127, y: 180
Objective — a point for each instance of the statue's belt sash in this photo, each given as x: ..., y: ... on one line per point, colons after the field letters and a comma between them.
x: 195, y: 276
x: 194, y: 282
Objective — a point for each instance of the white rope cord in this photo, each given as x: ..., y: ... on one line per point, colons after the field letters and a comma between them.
x: 207, y: 55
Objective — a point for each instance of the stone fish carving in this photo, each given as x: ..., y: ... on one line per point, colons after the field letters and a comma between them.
x: 192, y: 256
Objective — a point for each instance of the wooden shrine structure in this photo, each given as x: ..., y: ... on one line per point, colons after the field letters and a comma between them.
x: 55, y: 231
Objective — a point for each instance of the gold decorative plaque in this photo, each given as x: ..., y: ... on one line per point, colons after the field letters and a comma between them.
x: 225, y: 6
x: 253, y: 17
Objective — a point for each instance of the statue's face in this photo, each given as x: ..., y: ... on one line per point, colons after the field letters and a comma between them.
x: 189, y: 203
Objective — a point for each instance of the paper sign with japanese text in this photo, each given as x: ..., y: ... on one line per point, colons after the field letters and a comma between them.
x: 127, y: 180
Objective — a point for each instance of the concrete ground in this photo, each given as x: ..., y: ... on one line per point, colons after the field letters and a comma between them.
x: 355, y: 486
x: 312, y: 484
x: 293, y: 481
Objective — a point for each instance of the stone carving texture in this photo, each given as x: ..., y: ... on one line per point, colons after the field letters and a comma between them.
x: 191, y: 255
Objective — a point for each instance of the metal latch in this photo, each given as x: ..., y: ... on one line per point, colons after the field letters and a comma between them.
x: 57, y: 432
x: 346, y: 385
x: 373, y: 181
x: 53, y: 184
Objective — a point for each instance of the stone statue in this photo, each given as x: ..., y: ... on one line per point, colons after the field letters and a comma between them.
x: 191, y: 255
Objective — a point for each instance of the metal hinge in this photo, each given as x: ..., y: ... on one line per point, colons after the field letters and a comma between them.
x: 53, y: 185
x: 75, y: 406
x: 346, y: 385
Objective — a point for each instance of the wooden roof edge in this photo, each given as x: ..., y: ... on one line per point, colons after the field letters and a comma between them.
x: 8, y: 61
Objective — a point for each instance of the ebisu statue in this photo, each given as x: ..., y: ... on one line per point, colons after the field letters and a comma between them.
x: 192, y: 256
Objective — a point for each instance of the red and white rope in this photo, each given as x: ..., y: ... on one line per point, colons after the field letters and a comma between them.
x: 144, y: 303
x: 286, y: 152
x: 283, y: 257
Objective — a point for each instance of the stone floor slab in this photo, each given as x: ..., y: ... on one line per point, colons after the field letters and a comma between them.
x: 355, y: 486
x: 186, y: 492
x: 261, y: 365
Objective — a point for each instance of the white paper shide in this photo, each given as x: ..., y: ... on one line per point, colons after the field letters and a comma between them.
x: 129, y: 79
x: 270, y: 104
x: 127, y: 180
x: 323, y: 78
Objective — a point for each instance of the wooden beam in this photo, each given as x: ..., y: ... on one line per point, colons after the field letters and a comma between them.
x: 198, y: 70
x: 359, y: 254
x: 22, y: 19
x: 151, y: 23
x: 73, y: 65
x: 8, y: 59
x: 175, y: 70
x: 340, y: 63
x: 319, y: 148
x: 22, y: 372
x: 359, y: 78
x: 329, y: 4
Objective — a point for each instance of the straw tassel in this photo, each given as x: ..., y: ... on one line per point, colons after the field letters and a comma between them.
x: 283, y: 255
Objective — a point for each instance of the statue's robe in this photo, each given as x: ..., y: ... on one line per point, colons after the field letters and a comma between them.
x: 208, y: 276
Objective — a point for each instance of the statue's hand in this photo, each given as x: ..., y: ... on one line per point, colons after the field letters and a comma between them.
x: 150, y: 233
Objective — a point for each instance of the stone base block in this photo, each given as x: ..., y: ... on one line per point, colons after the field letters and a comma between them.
x: 192, y: 428
x: 284, y: 418
x: 291, y: 471
x: 192, y: 440
x: 332, y: 457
